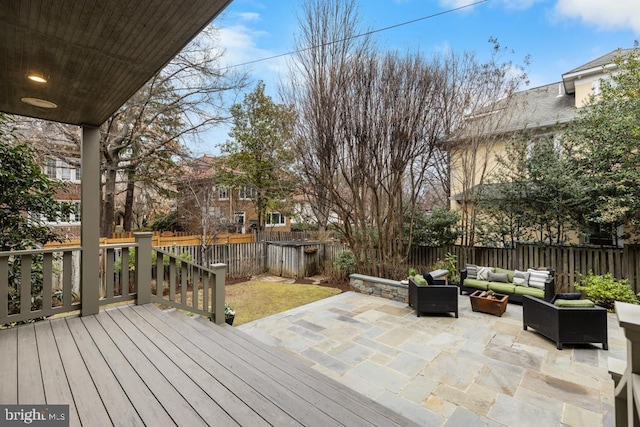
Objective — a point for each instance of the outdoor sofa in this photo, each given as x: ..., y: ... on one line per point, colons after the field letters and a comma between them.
x: 434, y: 297
x: 565, y: 325
x: 536, y: 283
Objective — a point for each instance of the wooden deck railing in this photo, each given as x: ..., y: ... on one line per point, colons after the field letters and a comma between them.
x: 46, y: 279
x: 51, y: 281
x: 627, y: 377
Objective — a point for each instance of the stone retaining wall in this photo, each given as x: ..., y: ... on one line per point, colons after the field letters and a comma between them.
x: 385, y: 288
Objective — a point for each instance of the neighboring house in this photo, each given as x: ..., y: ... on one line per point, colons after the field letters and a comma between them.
x: 207, y: 207
x: 62, y: 163
x: 540, y: 112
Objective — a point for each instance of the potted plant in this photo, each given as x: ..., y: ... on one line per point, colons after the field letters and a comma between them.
x: 229, y: 313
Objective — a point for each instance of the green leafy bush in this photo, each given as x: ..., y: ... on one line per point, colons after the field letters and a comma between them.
x: 449, y: 263
x: 117, y: 266
x: 604, y: 290
x: 412, y: 272
x: 345, y: 263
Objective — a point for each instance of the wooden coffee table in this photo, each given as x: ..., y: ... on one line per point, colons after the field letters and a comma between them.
x: 483, y: 302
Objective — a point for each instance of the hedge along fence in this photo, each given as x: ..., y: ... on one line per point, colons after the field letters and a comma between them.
x: 568, y: 262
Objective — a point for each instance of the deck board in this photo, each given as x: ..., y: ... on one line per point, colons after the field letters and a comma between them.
x: 87, y: 400
x: 30, y: 386
x: 119, y: 407
x: 139, y: 365
x: 236, y: 389
x: 54, y: 378
x: 9, y: 366
x: 146, y: 404
x: 177, y: 407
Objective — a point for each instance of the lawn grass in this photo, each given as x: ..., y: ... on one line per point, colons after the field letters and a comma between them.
x: 254, y: 299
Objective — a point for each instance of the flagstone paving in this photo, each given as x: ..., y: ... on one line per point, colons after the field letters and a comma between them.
x: 477, y: 370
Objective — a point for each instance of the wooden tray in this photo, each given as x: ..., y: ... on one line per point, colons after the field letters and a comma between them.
x: 484, y: 304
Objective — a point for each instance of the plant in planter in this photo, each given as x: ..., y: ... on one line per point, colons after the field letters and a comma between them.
x: 229, y: 313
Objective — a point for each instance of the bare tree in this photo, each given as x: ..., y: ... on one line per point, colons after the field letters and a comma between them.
x: 198, y: 212
x: 142, y: 141
x: 485, y: 107
x: 182, y: 100
x: 368, y: 126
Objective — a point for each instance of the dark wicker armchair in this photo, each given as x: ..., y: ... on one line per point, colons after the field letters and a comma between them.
x: 565, y: 325
x: 433, y: 298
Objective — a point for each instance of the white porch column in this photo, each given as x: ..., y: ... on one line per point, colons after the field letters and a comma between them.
x: 90, y: 216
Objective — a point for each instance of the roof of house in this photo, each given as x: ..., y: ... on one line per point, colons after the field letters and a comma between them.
x: 94, y: 55
x: 594, y: 67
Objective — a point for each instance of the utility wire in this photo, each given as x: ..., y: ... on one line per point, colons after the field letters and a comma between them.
x: 280, y: 55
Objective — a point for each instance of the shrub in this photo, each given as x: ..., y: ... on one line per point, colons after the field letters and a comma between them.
x: 449, y: 263
x: 604, y: 290
x: 345, y: 263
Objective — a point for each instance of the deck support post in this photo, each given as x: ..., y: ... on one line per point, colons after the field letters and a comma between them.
x: 220, y: 271
x: 90, y: 221
x: 143, y: 267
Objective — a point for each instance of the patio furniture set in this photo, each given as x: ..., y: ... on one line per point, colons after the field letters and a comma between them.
x: 563, y: 318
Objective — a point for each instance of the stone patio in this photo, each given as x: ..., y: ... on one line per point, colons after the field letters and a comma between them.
x: 476, y: 370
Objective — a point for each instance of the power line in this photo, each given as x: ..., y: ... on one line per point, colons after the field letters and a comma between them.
x: 357, y: 35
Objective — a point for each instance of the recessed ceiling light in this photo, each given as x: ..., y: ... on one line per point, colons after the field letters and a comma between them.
x: 37, y: 102
x: 38, y: 78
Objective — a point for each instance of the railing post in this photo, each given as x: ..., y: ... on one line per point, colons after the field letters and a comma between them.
x: 143, y: 266
x: 220, y: 271
x: 627, y: 408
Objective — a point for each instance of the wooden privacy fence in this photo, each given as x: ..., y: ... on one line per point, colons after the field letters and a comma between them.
x: 287, y: 259
x: 568, y: 262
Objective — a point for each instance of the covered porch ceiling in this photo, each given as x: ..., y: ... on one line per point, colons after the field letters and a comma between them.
x: 93, y: 55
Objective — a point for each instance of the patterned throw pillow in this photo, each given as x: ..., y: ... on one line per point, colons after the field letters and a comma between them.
x: 483, y: 272
x: 521, y: 278
x: 537, y: 278
x: 472, y: 271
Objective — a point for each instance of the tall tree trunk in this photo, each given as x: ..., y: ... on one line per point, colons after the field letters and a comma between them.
x: 108, y: 205
x: 128, y: 202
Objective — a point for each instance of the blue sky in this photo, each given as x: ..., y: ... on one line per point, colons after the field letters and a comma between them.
x: 559, y: 35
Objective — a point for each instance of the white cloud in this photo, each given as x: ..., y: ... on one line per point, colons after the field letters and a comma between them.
x: 606, y: 15
x: 250, y: 16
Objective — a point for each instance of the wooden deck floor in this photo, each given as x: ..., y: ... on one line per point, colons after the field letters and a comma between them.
x: 139, y: 365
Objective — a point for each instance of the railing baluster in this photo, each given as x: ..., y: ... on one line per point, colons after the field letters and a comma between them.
x: 109, y: 271
x: 47, y: 278
x: 25, y: 284
x: 4, y: 288
x: 67, y: 280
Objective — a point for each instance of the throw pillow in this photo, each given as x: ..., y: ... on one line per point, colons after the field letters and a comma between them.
x: 472, y: 271
x: 566, y: 296
x: 574, y: 303
x: 521, y: 278
x: 498, y: 277
x: 483, y: 272
x: 420, y: 281
x: 538, y: 278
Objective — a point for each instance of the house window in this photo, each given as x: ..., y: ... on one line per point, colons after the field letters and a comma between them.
x: 50, y: 168
x: 70, y: 217
x: 247, y: 192
x: 223, y: 193
x: 59, y: 169
x: 275, y: 219
x: 602, y: 235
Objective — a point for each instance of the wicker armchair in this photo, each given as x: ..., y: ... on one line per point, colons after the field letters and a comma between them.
x: 565, y: 325
x: 433, y: 298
